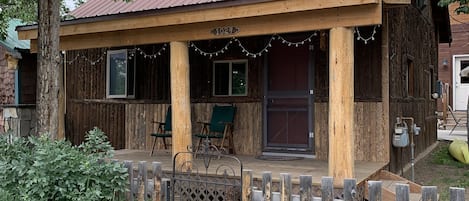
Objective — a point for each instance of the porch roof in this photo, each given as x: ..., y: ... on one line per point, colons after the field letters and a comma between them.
x: 195, y: 21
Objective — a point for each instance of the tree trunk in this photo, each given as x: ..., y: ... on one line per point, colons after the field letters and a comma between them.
x: 48, y: 67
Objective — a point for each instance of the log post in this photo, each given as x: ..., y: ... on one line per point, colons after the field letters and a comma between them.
x: 180, y: 101
x: 341, y: 108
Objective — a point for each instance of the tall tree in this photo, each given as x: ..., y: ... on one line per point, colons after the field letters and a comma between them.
x: 48, y: 67
x: 463, y: 7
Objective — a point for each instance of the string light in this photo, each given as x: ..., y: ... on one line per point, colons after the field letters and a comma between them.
x: 154, y: 55
x: 254, y: 55
x: 248, y: 53
x: 297, y: 44
x: 92, y: 62
x: 224, y: 48
x: 360, y: 37
x: 132, y: 53
x: 211, y: 54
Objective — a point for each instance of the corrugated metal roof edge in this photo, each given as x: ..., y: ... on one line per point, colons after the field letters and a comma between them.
x: 150, y: 12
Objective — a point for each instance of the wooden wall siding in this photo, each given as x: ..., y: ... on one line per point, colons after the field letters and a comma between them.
x: 412, y: 38
x: 247, y: 125
x: 85, y: 80
x: 460, y: 45
x: 369, y: 133
x: 82, y: 116
x: 367, y: 72
x: 28, y: 73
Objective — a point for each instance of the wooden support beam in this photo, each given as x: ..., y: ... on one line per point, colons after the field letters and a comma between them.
x: 402, y: 2
x: 341, y: 104
x: 199, y: 15
x: 180, y: 101
x: 385, y: 88
x: 271, y: 24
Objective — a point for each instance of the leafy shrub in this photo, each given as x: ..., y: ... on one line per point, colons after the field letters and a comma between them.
x: 42, y: 169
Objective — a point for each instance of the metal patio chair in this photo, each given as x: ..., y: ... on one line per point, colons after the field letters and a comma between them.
x: 219, y: 131
x: 163, y: 131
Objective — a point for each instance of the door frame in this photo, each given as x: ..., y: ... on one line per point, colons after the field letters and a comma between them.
x: 455, y: 74
x: 311, y: 117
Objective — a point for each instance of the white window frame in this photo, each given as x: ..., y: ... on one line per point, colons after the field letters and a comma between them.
x: 230, y: 81
x: 128, y: 67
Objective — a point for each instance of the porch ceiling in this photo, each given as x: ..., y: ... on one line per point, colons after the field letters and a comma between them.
x: 313, y: 19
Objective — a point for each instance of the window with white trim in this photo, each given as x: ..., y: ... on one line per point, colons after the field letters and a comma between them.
x: 120, y: 74
x: 230, y: 78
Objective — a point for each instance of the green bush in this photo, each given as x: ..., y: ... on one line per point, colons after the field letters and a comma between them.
x: 39, y: 168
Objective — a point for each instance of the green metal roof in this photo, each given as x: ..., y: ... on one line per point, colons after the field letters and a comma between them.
x: 11, y: 42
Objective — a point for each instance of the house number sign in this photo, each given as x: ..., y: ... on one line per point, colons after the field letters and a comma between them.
x: 222, y: 31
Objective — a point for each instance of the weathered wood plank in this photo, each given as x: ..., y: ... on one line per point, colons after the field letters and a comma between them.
x: 285, y: 187
x: 267, y: 186
x: 374, y: 190
x: 306, y: 182
x: 402, y: 192
x: 350, y: 192
x: 247, y: 182
x: 429, y: 193
x: 456, y: 194
x: 327, y: 189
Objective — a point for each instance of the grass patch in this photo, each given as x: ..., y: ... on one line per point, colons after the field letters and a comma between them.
x: 457, y: 172
x: 443, y: 157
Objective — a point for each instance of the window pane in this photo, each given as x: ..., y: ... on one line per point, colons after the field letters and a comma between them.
x: 221, y: 76
x: 464, y: 72
x: 238, y: 79
x: 131, y: 77
x: 117, y: 73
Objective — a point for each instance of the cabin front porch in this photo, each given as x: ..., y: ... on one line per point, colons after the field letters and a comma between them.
x: 295, y: 166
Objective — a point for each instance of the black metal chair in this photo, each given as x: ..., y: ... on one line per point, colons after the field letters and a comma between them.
x: 163, y: 131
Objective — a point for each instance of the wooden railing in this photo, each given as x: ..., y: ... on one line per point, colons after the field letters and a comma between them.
x: 152, y: 185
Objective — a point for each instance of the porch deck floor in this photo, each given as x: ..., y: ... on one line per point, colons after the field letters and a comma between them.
x: 303, y: 166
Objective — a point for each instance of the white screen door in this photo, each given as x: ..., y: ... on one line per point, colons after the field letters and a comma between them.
x: 461, y: 82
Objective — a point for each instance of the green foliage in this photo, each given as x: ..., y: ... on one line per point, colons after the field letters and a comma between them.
x: 461, y: 9
x: 42, y: 169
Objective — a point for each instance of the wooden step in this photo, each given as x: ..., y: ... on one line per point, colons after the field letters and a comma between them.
x: 390, y: 180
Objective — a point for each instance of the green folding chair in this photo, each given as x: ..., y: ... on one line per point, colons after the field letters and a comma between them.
x: 219, y: 131
x: 163, y: 131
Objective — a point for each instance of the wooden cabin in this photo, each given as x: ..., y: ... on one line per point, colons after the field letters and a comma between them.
x: 17, y: 83
x: 320, y: 79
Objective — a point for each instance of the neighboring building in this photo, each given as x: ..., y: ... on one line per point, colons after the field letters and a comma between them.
x: 302, y: 83
x: 454, y: 59
x: 17, y: 83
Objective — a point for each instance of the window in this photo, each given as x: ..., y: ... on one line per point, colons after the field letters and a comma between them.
x: 230, y: 78
x: 120, y: 74
x: 409, y: 78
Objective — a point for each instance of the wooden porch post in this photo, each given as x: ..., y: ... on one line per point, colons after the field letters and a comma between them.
x: 180, y: 100
x: 341, y: 105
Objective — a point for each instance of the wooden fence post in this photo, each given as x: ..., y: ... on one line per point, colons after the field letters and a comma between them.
x: 402, y: 192
x: 142, y: 180
x: 157, y: 173
x: 306, y: 183
x: 350, y: 186
x: 130, y: 172
x: 374, y: 190
x: 285, y: 187
x: 429, y: 193
x: 246, y: 182
x: 327, y: 189
x: 267, y: 186
x: 165, y: 189
x: 456, y: 194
